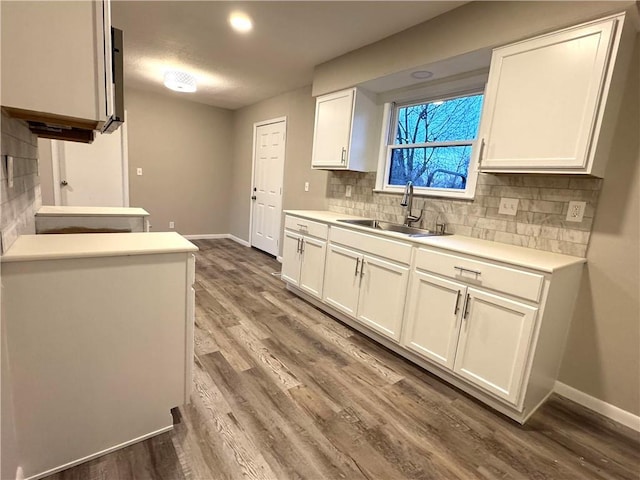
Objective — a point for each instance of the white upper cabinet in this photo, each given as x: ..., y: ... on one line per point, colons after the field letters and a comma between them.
x: 546, y: 99
x: 54, y: 62
x: 345, y: 132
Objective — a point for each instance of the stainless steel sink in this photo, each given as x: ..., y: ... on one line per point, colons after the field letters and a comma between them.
x: 392, y: 227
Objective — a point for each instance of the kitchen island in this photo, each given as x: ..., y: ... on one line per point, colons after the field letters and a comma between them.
x: 99, y: 334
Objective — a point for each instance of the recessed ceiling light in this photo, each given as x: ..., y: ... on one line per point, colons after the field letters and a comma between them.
x: 240, y: 22
x: 422, y: 74
x: 180, y: 81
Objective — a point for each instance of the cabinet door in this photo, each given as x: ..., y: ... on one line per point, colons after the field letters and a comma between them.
x: 382, y: 295
x: 543, y: 97
x: 342, y: 279
x: 312, y: 269
x: 433, y: 317
x: 65, y: 77
x: 333, y: 130
x: 291, y: 258
x: 494, y: 343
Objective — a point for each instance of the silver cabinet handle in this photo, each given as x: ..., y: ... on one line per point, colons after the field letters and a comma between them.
x: 457, y: 307
x: 462, y: 270
x: 298, y: 249
x: 481, y: 151
x: 343, y: 155
x: 466, y: 306
x: 301, y: 245
x: 361, y: 271
x: 357, y: 264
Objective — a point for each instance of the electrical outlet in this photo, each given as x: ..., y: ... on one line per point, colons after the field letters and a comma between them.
x: 348, y: 191
x: 306, y: 186
x: 172, y: 225
x: 508, y: 206
x: 139, y: 171
x: 576, y: 211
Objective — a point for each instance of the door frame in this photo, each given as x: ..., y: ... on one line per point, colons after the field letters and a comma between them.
x: 256, y: 125
x: 57, y: 153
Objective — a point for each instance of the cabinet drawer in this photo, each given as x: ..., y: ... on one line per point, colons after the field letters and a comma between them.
x: 496, y: 277
x: 382, y: 247
x: 307, y: 227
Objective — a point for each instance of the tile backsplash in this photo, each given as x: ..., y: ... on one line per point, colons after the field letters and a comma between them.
x: 18, y: 203
x: 539, y: 223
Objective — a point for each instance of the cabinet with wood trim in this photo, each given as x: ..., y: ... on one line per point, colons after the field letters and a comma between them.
x: 56, y: 64
x: 552, y: 101
x: 346, y: 127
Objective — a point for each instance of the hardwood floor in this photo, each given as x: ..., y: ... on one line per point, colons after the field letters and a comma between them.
x: 283, y: 391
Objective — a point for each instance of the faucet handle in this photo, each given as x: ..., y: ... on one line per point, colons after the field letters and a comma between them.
x: 440, y: 227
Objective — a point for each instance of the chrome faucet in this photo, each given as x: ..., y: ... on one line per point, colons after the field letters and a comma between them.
x: 407, y: 201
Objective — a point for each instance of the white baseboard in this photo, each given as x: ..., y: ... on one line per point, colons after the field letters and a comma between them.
x: 616, y: 414
x: 217, y: 236
x: 99, y: 454
x: 207, y: 236
x: 242, y: 242
x: 279, y: 258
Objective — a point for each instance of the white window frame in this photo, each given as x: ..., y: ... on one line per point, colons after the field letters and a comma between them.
x: 472, y: 85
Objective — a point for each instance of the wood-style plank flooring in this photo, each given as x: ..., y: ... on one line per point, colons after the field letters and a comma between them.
x: 283, y: 391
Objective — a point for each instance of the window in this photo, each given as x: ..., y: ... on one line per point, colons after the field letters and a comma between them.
x: 431, y: 144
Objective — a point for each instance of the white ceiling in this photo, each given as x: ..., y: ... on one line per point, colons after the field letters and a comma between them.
x: 235, y: 70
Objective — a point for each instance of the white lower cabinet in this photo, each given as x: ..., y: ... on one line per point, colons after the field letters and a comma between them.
x: 433, y: 317
x: 368, y: 288
x: 482, y: 337
x: 342, y: 279
x: 494, y: 342
x: 303, y: 262
x: 382, y: 293
x: 495, y: 329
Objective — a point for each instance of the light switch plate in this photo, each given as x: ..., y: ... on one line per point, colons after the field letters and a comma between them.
x: 306, y: 186
x: 348, y: 191
x: 508, y: 206
x: 10, y: 171
x: 139, y: 171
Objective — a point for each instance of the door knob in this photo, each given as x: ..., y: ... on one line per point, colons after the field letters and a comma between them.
x: 63, y: 183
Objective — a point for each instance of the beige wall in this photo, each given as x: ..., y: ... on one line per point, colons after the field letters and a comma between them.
x: 299, y: 107
x: 185, y: 152
x: 603, y: 352
x: 472, y: 27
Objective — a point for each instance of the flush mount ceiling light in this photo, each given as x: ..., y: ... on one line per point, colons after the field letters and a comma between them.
x: 422, y: 74
x: 240, y: 22
x: 180, y: 81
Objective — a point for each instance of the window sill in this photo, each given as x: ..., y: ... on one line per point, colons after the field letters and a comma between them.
x: 439, y: 195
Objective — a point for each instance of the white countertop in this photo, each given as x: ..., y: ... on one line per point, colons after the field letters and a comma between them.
x: 62, y: 246
x: 501, y: 252
x: 62, y: 211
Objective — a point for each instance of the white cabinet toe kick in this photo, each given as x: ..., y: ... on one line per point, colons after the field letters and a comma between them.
x: 494, y: 328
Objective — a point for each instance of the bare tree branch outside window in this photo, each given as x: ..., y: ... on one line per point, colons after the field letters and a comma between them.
x: 441, y: 164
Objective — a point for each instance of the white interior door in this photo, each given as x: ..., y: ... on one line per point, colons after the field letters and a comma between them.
x: 268, y: 172
x: 92, y: 174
